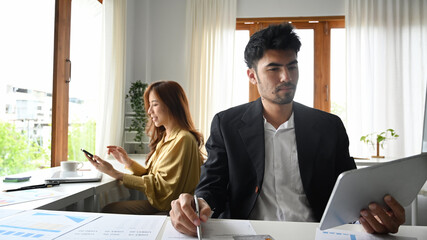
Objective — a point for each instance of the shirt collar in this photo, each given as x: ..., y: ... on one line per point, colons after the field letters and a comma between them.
x: 172, y: 136
x: 286, y: 125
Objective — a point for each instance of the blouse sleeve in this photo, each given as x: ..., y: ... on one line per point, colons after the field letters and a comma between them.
x: 137, y: 169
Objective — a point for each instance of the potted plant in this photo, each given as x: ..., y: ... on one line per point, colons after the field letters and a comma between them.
x: 135, y: 94
x: 379, y: 139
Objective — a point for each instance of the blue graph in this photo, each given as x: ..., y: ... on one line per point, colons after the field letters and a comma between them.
x: 343, y: 236
x: 39, y: 224
x: 20, y: 234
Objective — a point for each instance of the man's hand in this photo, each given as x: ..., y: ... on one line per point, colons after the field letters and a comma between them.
x: 183, y: 215
x: 377, y: 219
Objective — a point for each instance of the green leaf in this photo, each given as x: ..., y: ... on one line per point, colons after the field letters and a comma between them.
x: 380, y: 138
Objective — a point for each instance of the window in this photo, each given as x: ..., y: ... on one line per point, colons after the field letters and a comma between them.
x: 241, y: 38
x: 26, y: 62
x: 34, y: 94
x: 314, y: 86
x: 86, y: 57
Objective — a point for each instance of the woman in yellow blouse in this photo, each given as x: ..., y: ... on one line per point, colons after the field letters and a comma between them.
x: 175, y: 157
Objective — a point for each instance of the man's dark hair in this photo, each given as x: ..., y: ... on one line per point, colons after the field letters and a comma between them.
x: 278, y: 37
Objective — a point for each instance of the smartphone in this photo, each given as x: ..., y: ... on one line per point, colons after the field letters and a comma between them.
x: 87, y: 153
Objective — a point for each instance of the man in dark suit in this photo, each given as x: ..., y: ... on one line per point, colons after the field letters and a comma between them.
x: 273, y: 158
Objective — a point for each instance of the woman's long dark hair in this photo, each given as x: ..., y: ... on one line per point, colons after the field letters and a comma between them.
x: 172, y: 95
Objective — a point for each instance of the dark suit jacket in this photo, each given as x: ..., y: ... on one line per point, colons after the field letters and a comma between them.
x: 232, y: 176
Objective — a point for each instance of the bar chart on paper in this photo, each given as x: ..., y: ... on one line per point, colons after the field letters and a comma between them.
x: 38, y: 224
x: 334, y: 234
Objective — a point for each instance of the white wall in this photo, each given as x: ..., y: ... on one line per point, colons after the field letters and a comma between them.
x: 156, y: 40
x: 136, y: 41
x: 156, y: 32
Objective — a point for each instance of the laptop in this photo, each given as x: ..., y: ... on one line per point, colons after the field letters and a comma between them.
x: 75, y: 177
x: 355, y: 189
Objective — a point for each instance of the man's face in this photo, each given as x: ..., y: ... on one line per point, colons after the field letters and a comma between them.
x: 276, y: 76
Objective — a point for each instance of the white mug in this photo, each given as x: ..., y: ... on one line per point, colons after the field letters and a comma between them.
x: 71, y: 166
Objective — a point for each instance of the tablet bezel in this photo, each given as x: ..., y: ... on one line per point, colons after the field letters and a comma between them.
x: 355, y: 189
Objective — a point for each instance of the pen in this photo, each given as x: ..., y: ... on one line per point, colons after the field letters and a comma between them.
x: 46, y: 185
x: 199, y: 228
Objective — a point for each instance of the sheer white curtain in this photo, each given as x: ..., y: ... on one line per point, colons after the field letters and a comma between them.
x: 210, y: 37
x: 110, y: 122
x: 386, y: 72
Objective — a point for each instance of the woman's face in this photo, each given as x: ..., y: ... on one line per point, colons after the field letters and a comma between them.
x: 157, y: 111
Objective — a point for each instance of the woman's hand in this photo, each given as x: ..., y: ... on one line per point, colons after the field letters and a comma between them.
x: 120, y: 155
x: 105, y: 167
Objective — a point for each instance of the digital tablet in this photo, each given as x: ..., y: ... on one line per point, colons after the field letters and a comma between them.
x: 355, y: 189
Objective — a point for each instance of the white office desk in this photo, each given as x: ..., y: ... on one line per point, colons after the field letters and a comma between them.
x: 119, y: 225
x: 90, y: 196
x: 307, y: 231
x: 70, y: 192
x: 297, y: 230
x: 87, y: 195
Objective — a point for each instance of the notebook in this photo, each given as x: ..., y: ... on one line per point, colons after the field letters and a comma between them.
x: 355, y: 189
x: 75, y: 177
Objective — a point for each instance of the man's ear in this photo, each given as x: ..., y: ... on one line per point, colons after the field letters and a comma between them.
x: 252, y: 76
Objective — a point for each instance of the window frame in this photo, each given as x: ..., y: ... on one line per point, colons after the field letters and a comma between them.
x: 322, y: 50
x: 61, y: 77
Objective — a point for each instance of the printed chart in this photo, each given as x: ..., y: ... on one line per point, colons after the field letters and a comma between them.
x: 118, y: 227
x: 8, y: 198
x: 334, y: 234
x: 214, y: 229
x: 39, y: 224
x: 8, y: 212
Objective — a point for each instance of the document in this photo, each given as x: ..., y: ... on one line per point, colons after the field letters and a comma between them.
x: 118, y: 227
x: 42, y: 224
x: 334, y: 234
x: 214, y: 229
x: 8, y: 212
x: 8, y: 198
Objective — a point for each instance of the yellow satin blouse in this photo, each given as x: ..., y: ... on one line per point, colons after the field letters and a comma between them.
x: 174, y: 168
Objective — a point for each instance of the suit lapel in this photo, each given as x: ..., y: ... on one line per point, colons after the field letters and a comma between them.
x: 252, y: 134
x: 307, y: 143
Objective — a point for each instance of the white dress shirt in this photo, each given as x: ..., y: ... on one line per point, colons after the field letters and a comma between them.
x: 282, y: 196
